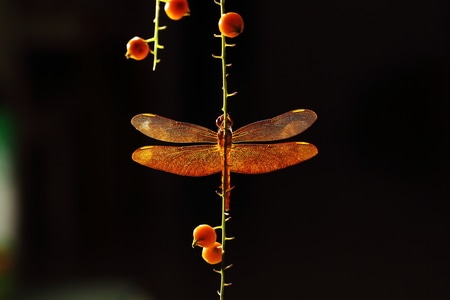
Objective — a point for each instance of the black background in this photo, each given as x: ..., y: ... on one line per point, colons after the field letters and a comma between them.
x: 368, y: 218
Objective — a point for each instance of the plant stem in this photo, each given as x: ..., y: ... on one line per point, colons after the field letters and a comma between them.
x: 225, y: 178
x: 155, y: 35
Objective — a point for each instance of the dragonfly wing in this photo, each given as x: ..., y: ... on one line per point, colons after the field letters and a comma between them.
x: 168, y: 130
x: 198, y: 160
x: 278, y: 128
x: 264, y: 158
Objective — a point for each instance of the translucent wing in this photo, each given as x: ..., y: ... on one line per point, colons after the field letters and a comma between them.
x: 278, y: 128
x: 167, y: 130
x: 264, y: 158
x: 198, y: 160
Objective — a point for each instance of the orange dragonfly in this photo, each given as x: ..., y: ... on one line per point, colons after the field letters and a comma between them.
x: 207, y: 157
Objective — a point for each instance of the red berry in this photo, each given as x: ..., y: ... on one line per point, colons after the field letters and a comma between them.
x: 137, y: 48
x: 231, y: 24
x: 176, y: 9
x: 213, y: 255
x: 204, y: 236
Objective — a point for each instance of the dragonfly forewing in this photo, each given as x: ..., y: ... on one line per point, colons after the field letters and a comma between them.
x: 168, y: 130
x: 278, y: 128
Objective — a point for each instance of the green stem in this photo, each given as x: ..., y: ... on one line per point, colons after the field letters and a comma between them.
x: 225, y: 162
x: 156, y: 44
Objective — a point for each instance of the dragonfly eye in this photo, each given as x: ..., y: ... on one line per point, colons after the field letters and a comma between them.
x: 229, y: 122
x: 219, y: 121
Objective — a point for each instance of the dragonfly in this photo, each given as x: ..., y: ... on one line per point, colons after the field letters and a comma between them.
x: 246, y: 148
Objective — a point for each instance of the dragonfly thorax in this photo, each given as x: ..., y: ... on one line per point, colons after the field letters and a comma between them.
x: 222, y: 137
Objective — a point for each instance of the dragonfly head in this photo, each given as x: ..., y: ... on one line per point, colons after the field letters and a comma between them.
x: 220, y: 121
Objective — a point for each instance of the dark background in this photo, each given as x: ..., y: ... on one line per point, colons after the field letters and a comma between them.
x: 368, y: 218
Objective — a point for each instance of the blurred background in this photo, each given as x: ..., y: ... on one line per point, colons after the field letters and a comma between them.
x: 368, y: 218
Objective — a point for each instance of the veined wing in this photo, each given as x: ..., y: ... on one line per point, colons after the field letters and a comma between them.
x: 167, y: 130
x: 264, y: 158
x: 278, y: 128
x: 197, y: 160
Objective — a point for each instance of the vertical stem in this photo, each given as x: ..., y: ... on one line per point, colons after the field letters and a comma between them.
x: 155, y: 35
x: 224, y: 68
x: 225, y: 178
x: 223, y: 264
